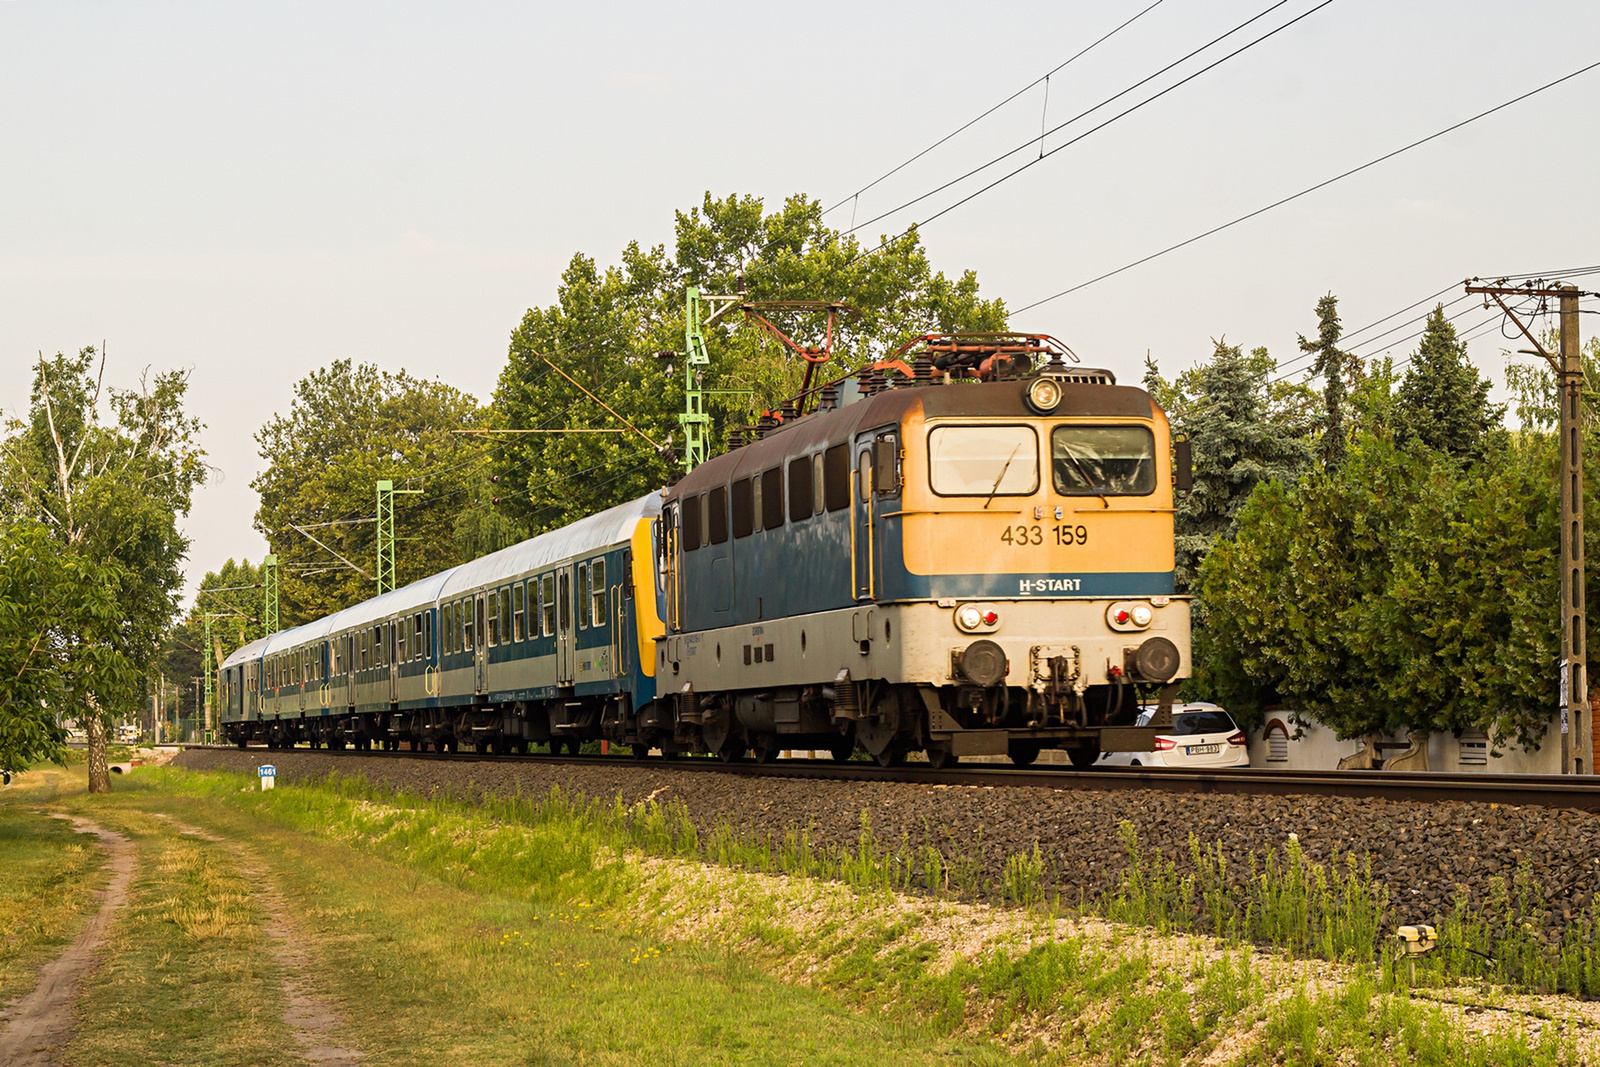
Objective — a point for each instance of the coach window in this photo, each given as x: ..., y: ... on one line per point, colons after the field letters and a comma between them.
x: 421, y: 645
x: 800, y: 489
x: 338, y: 655
x: 505, y: 615
x: 744, y: 508
x: 492, y: 634
x: 717, y: 525
x: 403, y: 639
x: 547, y: 604
x: 519, y: 610
x: 583, y: 596
x: 691, y: 523
x: 597, y: 579
x: 983, y: 460
x: 772, y: 499
x: 468, y: 644
x: 836, y: 477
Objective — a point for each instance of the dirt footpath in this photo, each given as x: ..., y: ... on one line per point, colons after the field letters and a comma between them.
x: 36, y: 1027
x: 310, y: 1019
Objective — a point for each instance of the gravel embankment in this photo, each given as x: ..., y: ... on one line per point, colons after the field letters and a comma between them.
x: 1423, y: 852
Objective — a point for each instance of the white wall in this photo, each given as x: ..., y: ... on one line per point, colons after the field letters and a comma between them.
x: 1317, y: 748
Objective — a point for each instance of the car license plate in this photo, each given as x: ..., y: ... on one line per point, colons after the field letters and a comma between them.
x: 1203, y: 750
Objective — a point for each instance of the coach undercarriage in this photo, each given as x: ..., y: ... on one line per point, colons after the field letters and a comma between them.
x: 889, y: 721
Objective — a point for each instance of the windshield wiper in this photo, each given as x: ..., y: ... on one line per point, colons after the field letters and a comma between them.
x: 1066, y: 450
x: 1002, y: 477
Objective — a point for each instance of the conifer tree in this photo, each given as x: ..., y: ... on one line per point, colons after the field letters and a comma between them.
x: 1333, y: 365
x: 1442, y: 401
x: 1242, y: 430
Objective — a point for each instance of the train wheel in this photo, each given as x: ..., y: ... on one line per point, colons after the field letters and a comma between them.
x: 241, y: 742
x: 942, y: 755
x: 892, y: 756
x: 521, y: 747
x: 1024, y: 752
x: 766, y: 750
x: 1084, y: 756
x: 842, y: 749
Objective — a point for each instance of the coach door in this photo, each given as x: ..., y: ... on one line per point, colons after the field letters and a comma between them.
x: 861, y: 531
x: 480, y: 647
x: 877, y: 498
x: 565, y: 653
x: 391, y: 632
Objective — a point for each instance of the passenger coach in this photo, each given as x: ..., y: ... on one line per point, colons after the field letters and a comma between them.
x: 544, y: 641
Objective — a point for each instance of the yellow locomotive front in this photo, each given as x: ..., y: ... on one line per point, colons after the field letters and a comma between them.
x: 1019, y: 534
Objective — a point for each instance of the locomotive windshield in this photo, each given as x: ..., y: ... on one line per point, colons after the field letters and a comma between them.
x: 1103, y: 460
x: 983, y: 460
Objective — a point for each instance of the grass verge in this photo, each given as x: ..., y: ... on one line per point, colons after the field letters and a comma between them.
x: 559, y: 883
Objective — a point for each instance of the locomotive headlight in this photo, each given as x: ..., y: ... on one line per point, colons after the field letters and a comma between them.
x: 1129, y: 616
x: 977, y: 618
x: 1044, y: 395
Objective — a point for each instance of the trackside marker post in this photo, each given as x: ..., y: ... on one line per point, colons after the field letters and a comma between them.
x: 269, y: 775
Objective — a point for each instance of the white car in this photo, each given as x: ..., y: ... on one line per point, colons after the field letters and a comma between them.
x: 1202, y: 735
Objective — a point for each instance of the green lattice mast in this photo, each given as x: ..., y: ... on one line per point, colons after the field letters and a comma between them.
x: 696, y: 423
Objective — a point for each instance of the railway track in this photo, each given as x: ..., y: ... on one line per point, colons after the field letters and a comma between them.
x: 1542, y: 790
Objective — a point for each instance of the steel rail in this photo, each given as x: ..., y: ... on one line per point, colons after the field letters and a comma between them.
x: 1541, y: 790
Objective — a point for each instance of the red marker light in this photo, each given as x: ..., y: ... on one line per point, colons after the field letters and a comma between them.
x: 1122, y: 615
x: 990, y: 618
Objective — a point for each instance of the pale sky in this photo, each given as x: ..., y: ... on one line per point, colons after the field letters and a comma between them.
x: 251, y: 191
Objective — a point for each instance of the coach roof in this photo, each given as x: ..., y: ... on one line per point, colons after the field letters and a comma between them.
x: 595, y: 533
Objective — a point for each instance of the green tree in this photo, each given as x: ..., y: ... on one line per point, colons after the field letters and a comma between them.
x: 1335, y: 367
x: 105, y: 473
x: 1243, y: 430
x: 607, y: 327
x: 1443, y: 402
x: 59, y: 638
x: 349, y: 427
x: 1357, y: 595
x: 232, y: 595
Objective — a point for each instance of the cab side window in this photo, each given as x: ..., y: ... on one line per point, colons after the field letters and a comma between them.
x: 836, y: 477
x: 691, y: 523
x: 800, y: 489
x: 772, y: 499
x: 717, y: 521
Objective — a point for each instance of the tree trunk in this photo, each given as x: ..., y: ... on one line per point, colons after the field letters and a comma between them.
x: 99, y: 769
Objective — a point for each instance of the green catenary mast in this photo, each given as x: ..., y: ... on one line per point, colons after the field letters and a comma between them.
x: 696, y: 423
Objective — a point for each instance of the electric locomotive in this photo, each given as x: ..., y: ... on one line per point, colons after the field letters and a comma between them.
x: 964, y: 556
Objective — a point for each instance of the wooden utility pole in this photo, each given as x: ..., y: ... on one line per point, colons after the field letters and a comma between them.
x: 1577, y: 731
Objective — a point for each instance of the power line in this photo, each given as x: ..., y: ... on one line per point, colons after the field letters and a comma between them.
x: 1310, y: 189
x: 1038, y: 140
x: 968, y: 125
